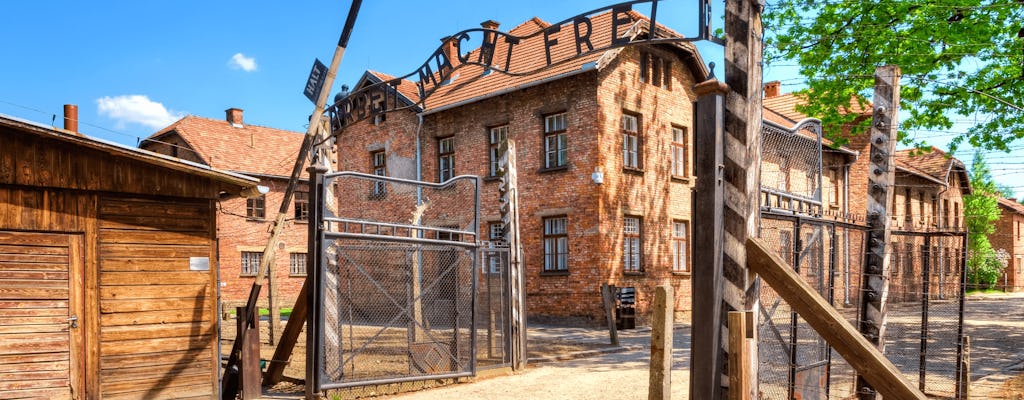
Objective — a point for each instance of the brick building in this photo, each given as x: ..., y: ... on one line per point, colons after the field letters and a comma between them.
x: 604, y: 149
x: 243, y: 225
x: 928, y: 197
x: 1009, y: 236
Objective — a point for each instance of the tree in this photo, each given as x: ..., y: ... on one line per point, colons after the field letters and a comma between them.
x: 964, y: 58
x: 981, y: 211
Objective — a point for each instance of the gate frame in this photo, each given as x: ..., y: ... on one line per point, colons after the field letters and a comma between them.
x: 317, y: 259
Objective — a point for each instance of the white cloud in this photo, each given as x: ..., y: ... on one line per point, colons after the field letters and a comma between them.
x: 136, y: 109
x: 240, y: 61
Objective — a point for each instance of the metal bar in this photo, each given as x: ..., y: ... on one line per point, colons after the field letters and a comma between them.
x: 364, y: 223
x: 794, y: 318
x: 343, y: 385
x: 960, y: 321
x: 342, y: 235
x: 315, y: 259
x: 926, y: 267
x: 832, y: 302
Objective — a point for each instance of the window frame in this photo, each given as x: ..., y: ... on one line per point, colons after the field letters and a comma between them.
x: 494, y: 148
x: 680, y: 149
x: 293, y: 260
x: 300, y: 203
x: 445, y: 158
x: 379, y: 167
x: 634, y: 137
x: 680, y: 243
x: 561, y: 142
x: 560, y: 260
x: 256, y: 207
x: 632, y: 244
x: 246, y: 263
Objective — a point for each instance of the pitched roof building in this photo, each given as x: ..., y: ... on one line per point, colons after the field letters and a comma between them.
x: 243, y: 224
x: 604, y: 149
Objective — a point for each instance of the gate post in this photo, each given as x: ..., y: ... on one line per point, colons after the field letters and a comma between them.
x: 875, y: 282
x: 314, y: 263
x: 708, y: 197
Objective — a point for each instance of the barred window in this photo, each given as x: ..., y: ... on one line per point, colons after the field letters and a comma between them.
x: 251, y: 262
x: 631, y: 244
x: 301, y: 206
x: 297, y: 263
x: 380, y: 168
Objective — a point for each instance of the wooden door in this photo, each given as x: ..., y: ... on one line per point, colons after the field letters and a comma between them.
x: 40, y: 300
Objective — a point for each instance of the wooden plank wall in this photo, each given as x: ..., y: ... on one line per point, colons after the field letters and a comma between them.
x: 28, y: 160
x: 158, y: 331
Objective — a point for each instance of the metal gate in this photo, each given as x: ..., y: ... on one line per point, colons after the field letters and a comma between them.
x: 396, y: 284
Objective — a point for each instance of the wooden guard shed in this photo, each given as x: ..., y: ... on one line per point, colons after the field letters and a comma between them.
x: 108, y: 273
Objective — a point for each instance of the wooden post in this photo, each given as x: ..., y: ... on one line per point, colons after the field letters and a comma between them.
x: 289, y: 336
x: 708, y: 200
x: 249, y: 366
x: 662, y: 322
x: 739, y: 358
x: 509, y: 207
x: 881, y: 177
x: 861, y: 354
x: 742, y: 162
x: 608, y: 299
x: 272, y: 305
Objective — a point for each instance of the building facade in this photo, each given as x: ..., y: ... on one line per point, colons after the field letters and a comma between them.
x: 1009, y: 236
x: 604, y: 149
x: 243, y: 225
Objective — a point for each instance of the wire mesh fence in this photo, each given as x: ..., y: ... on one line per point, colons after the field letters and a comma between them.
x: 924, y: 313
x: 398, y: 281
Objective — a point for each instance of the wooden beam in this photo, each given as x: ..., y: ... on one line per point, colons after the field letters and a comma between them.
x: 290, y: 335
x: 861, y: 354
x: 739, y: 358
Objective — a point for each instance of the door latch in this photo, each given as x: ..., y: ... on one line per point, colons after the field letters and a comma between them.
x: 74, y: 321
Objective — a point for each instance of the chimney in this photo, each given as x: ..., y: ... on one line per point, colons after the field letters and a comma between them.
x: 234, y: 117
x: 492, y: 25
x: 489, y: 43
x: 71, y: 118
x: 450, y: 51
x: 771, y: 89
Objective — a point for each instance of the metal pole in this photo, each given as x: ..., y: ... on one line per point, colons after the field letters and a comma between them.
x: 926, y: 271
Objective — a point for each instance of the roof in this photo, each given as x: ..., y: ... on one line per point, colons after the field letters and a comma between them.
x: 119, y: 150
x: 470, y: 83
x: 934, y: 165
x: 250, y: 149
x: 1012, y: 205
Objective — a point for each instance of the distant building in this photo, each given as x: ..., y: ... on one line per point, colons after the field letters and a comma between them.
x: 243, y: 225
x: 1009, y: 236
x: 604, y: 160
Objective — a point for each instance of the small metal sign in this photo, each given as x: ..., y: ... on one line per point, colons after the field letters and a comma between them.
x: 315, y: 82
x: 199, y: 263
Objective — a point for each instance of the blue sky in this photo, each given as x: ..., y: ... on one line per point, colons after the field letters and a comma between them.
x: 134, y: 67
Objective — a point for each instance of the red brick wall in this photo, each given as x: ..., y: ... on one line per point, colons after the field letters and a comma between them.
x: 1008, y: 236
x: 237, y: 233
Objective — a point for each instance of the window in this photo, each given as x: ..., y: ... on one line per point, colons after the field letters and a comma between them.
x: 834, y: 190
x: 896, y: 260
x: 555, y: 145
x: 920, y: 208
x: 379, y: 162
x: 956, y: 215
x: 786, y: 246
x: 556, y: 244
x: 631, y: 244
x: 680, y: 244
x: 496, y: 231
x: 630, y: 141
x: 908, y: 213
x: 945, y: 213
x: 297, y: 263
x: 251, y: 262
x: 655, y: 70
x: 1018, y: 265
x: 445, y: 159
x: 496, y: 136
x: 301, y: 206
x: 935, y: 211
x: 255, y: 207
x: 680, y: 166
